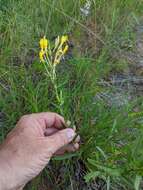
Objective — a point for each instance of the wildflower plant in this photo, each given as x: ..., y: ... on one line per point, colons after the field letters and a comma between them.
x: 50, y: 56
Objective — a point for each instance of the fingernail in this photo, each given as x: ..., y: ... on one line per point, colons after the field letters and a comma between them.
x: 70, y: 134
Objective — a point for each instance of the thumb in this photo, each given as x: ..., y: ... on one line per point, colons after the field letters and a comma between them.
x: 60, y: 139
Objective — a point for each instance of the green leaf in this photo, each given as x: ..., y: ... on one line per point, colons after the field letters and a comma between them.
x: 107, y: 170
x: 108, y: 183
x: 137, y: 182
x: 91, y: 175
x: 65, y: 156
x: 101, y: 151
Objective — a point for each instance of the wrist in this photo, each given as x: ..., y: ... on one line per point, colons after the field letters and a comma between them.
x: 7, y: 171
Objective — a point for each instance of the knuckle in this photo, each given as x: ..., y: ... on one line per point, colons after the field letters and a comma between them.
x: 24, y: 120
x: 27, y: 117
x: 24, y: 117
x: 54, y: 114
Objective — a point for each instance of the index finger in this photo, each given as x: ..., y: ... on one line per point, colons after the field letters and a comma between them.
x: 50, y: 119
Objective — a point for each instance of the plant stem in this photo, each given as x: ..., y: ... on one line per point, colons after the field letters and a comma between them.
x: 51, y: 71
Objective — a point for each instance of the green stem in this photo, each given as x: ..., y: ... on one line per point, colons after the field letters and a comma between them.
x: 59, y: 99
x: 51, y: 71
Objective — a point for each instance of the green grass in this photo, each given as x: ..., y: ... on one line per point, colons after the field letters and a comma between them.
x: 111, y: 135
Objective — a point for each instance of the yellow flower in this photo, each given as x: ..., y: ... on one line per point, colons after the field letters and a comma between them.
x: 65, y: 49
x: 43, y: 43
x: 64, y: 39
x: 41, y: 55
x: 57, y: 61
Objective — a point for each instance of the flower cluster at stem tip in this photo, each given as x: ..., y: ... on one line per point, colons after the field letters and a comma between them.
x: 55, y: 54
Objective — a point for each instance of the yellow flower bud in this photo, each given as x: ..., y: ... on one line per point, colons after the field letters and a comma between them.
x: 64, y: 39
x: 65, y: 49
x: 43, y: 43
x: 57, y: 61
x: 41, y: 55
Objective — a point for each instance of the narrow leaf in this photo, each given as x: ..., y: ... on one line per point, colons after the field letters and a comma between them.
x: 137, y: 182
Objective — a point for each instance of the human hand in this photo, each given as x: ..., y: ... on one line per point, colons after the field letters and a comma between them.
x: 29, y: 147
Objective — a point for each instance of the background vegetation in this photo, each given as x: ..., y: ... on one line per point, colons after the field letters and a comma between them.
x: 97, y: 80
